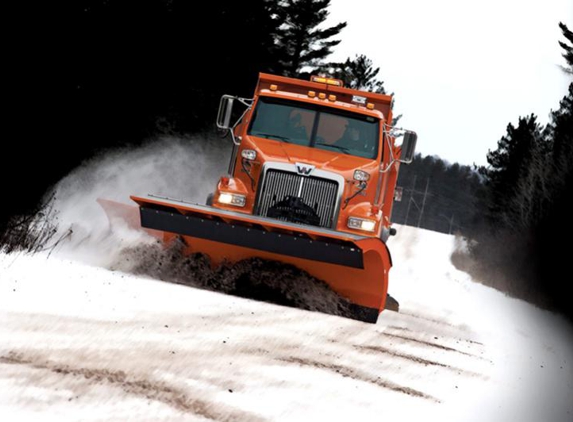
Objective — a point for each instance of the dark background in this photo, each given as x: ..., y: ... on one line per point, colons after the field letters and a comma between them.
x: 92, y: 75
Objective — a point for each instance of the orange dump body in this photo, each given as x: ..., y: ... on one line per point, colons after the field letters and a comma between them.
x: 299, y: 203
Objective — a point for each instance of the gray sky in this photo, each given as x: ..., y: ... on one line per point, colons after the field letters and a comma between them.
x: 461, y: 71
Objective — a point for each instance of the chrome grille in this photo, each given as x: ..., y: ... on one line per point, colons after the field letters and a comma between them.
x: 318, y: 193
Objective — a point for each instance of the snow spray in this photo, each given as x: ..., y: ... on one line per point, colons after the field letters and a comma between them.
x: 182, y: 168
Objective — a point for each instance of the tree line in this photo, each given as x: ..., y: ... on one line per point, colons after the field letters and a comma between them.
x: 436, y: 195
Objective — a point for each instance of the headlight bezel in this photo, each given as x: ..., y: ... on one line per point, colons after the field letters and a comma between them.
x: 249, y: 154
x: 363, y: 224
x: 361, y: 175
x: 230, y: 198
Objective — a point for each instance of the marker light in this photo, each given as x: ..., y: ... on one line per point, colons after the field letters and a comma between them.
x: 322, y: 95
x: 370, y: 106
x: 361, y: 224
x: 332, y: 98
x: 232, y: 199
x: 249, y: 154
x: 359, y: 99
x: 274, y: 87
x: 311, y: 94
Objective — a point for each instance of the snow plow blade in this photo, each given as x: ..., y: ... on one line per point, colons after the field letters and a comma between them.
x: 356, y: 267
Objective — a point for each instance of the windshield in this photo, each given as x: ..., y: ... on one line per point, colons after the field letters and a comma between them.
x: 316, y: 126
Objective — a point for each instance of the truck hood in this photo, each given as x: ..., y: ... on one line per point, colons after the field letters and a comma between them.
x: 277, y: 151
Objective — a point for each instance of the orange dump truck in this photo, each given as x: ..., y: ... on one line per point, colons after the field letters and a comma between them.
x: 311, y: 183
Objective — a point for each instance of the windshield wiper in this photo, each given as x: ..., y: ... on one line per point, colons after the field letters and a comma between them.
x: 271, y: 136
x: 343, y: 149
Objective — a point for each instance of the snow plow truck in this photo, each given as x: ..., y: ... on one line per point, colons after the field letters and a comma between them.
x: 311, y: 183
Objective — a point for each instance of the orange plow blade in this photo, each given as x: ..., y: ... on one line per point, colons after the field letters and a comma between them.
x: 356, y: 267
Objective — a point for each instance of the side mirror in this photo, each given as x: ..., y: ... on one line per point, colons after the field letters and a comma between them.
x: 408, y: 147
x: 225, y: 112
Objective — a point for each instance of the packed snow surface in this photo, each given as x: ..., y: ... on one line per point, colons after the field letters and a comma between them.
x: 82, y: 342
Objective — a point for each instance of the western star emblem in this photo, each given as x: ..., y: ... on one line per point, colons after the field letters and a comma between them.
x: 304, y: 169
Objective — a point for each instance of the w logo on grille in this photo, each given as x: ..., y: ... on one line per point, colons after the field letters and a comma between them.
x: 304, y: 169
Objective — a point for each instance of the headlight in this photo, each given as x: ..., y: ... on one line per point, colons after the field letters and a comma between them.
x: 232, y: 199
x: 361, y: 175
x: 361, y: 224
x: 249, y: 154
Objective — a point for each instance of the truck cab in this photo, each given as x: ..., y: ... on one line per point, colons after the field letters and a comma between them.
x: 313, y: 153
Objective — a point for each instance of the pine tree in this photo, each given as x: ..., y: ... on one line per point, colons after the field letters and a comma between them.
x: 357, y: 73
x: 552, y: 258
x: 300, y: 43
x: 559, y: 160
x: 568, y: 54
x: 509, y: 166
x: 561, y: 131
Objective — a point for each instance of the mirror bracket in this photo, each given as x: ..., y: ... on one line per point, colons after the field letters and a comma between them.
x: 226, y: 111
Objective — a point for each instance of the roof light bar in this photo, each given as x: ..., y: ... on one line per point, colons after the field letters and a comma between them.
x: 328, y: 81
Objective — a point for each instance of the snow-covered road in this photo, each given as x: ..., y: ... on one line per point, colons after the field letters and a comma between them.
x: 81, y: 342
